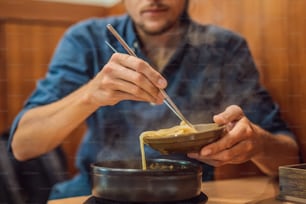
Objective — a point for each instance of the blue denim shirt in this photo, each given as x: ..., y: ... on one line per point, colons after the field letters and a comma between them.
x: 211, y: 69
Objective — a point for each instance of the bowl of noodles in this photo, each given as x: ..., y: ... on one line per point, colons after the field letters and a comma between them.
x: 181, y: 138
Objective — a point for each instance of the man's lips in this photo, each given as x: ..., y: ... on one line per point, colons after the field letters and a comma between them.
x: 154, y: 10
x: 153, y: 13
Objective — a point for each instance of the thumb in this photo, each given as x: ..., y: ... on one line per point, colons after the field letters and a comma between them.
x: 231, y: 114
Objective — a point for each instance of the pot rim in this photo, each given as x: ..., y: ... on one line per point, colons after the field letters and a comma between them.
x: 183, y: 167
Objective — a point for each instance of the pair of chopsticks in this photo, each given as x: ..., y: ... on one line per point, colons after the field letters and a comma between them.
x: 171, y: 105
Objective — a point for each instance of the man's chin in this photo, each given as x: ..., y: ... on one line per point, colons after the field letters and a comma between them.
x: 155, y: 30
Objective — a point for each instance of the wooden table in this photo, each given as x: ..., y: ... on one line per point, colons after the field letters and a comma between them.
x: 254, y: 190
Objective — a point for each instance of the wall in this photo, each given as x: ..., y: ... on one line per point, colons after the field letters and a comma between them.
x: 105, y: 3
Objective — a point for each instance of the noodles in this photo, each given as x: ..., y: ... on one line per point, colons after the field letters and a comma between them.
x: 143, y: 156
x: 183, y: 128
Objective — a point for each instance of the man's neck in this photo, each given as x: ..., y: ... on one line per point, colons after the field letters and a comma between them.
x: 160, y: 48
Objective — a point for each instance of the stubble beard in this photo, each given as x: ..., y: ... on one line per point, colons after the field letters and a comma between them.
x: 167, y: 27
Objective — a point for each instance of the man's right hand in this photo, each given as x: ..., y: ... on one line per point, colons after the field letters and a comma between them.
x: 125, y: 77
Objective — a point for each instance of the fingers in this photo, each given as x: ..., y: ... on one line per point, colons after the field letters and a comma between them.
x: 240, y: 132
x: 131, y: 82
x: 126, y: 77
x: 231, y: 114
x: 142, y: 67
x: 238, y: 145
x: 240, y: 153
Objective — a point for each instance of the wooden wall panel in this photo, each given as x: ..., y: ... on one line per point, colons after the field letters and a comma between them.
x: 61, y: 13
x: 3, y: 80
x: 275, y: 31
x: 297, y: 69
x: 28, y: 55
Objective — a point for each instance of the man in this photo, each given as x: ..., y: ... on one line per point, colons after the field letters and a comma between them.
x: 207, y: 70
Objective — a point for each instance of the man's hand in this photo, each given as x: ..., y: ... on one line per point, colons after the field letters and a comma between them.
x: 241, y: 143
x: 125, y: 77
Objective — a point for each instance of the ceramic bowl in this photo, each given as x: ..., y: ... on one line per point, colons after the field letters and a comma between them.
x: 185, y: 143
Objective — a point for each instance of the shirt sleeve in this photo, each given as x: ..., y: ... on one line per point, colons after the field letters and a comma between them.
x: 68, y: 70
x: 244, y: 88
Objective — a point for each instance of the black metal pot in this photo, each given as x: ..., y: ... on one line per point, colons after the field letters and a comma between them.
x: 163, y: 181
